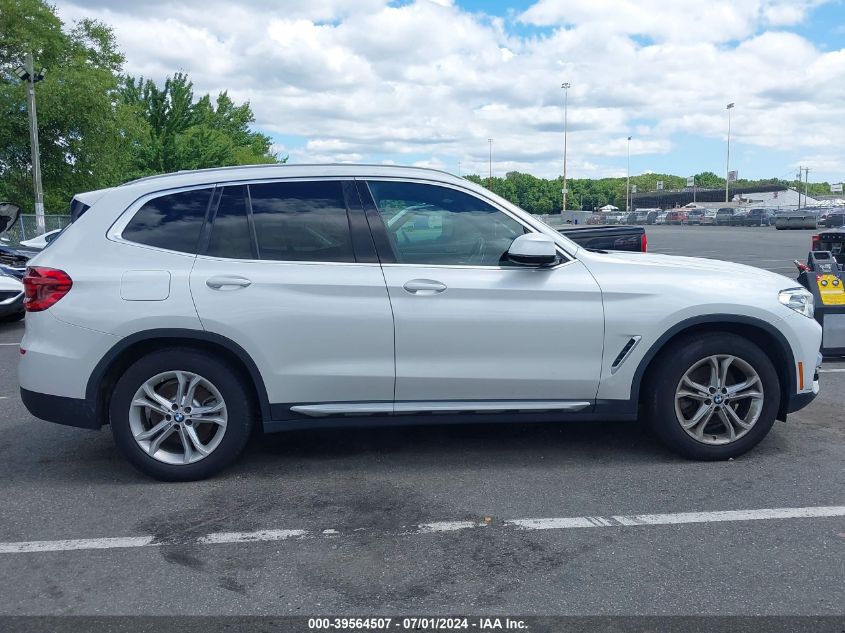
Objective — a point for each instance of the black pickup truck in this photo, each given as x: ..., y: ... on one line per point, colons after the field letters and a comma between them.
x: 606, y: 238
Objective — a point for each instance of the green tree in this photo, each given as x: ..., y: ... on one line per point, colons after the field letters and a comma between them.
x: 183, y: 133
x: 85, y: 132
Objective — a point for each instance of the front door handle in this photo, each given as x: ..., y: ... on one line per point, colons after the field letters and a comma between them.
x: 424, y: 287
x: 227, y: 282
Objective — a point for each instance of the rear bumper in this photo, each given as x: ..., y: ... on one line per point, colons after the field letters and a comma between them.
x: 60, y: 409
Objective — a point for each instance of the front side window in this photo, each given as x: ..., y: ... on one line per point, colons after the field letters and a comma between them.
x: 172, y: 221
x: 429, y: 224
x: 301, y: 221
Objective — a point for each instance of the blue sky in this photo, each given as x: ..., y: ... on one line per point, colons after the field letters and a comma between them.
x: 427, y: 82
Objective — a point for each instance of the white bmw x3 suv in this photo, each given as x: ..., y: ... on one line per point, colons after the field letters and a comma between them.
x: 189, y: 309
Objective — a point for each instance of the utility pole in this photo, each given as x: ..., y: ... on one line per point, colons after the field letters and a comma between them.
x: 27, y: 73
x: 565, y: 87
x: 806, y: 183
x: 800, y: 178
x: 490, y: 166
x: 628, y: 181
x: 729, y: 107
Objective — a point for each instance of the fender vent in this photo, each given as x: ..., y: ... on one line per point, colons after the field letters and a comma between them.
x: 624, y: 353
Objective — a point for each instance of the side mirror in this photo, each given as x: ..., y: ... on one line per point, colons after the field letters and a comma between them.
x: 533, y: 249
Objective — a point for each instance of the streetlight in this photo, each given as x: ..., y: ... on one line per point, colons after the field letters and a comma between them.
x: 490, y: 166
x: 628, y: 182
x: 729, y: 107
x: 565, y: 86
x: 27, y: 73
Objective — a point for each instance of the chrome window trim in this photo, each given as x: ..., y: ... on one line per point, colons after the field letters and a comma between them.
x: 531, y: 269
x: 115, y: 232
x: 284, y: 261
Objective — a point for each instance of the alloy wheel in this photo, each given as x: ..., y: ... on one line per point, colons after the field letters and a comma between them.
x: 178, y: 417
x: 719, y: 399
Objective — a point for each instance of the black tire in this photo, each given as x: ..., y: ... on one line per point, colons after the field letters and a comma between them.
x: 672, y: 364
x: 232, y: 387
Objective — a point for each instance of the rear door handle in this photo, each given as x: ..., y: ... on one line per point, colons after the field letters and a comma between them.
x: 424, y: 287
x: 227, y: 282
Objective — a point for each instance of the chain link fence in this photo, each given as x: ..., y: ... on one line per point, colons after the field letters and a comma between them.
x: 25, y: 228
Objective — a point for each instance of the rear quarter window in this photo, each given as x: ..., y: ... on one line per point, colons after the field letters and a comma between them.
x: 172, y: 221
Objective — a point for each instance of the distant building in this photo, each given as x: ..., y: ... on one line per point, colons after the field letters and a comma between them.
x: 770, y: 196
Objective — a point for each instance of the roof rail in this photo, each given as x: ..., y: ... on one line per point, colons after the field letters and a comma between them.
x: 279, y: 165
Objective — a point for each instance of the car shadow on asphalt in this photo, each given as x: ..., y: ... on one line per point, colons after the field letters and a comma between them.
x: 454, y: 445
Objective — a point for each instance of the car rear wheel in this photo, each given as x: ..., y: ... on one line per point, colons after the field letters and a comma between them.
x: 713, y: 397
x: 180, y: 414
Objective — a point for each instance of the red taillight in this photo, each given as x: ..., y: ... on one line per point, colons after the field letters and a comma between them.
x: 644, y: 243
x: 43, y: 287
x: 816, y: 239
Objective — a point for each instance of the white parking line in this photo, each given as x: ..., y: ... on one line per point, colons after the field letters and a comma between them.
x: 15, y: 344
x: 837, y: 370
x: 615, y: 521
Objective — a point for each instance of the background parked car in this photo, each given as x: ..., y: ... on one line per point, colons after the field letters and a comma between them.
x: 647, y: 216
x: 676, y: 216
x: 11, y: 298
x: 596, y: 218
x: 709, y: 217
x: 40, y: 242
x: 724, y: 216
x: 694, y: 216
x: 833, y: 219
x: 759, y: 217
x: 798, y: 219
x: 661, y: 218
x: 739, y: 217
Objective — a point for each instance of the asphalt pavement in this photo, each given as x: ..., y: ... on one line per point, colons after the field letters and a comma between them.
x: 577, y: 518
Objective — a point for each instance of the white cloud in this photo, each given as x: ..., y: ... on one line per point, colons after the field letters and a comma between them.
x: 427, y: 82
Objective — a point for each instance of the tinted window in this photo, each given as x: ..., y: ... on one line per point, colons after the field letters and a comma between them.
x: 230, y: 234
x: 172, y: 221
x: 301, y: 221
x: 428, y: 224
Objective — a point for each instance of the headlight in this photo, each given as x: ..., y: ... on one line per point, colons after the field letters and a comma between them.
x: 799, y: 299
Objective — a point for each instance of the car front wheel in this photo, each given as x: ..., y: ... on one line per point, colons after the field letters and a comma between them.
x: 180, y: 414
x: 713, y: 397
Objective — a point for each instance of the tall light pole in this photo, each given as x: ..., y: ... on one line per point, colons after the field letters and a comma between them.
x: 628, y: 181
x: 490, y: 166
x: 565, y: 87
x: 729, y: 107
x: 27, y: 73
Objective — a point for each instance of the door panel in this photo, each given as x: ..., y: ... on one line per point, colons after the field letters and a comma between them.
x: 497, y: 334
x: 470, y: 324
x: 319, y: 331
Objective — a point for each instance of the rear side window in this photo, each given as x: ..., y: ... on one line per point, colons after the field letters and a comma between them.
x: 172, y: 221
x: 301, y: 221
x: 77, y: 209
x: 230, y: 234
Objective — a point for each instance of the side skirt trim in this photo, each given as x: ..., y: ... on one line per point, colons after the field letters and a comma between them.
x: 472, y: 406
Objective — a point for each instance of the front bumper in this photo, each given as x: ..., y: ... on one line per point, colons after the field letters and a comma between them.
x: 798, y: 401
